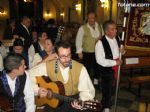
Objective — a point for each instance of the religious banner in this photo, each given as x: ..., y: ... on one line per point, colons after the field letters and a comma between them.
x: 138, y: 25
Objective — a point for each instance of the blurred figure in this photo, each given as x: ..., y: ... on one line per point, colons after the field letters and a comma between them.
x: 22, y: 30
x: 68, y: 35
x: 3, y: 50
x: 8, y: 33
x: 34, y: 36
x: 51, y: 29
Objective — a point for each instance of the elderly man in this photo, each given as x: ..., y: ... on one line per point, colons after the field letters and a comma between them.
x: 107, y: 56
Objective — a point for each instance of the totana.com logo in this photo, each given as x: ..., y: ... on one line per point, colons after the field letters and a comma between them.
x: 133, y: 4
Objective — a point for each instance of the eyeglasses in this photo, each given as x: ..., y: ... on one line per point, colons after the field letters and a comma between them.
x: 64, y: 57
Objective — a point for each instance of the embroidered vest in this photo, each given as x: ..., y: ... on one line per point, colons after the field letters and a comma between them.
x: 17, y: 101
x: 108, y: 54
x: 89, y: 42
x: 71, y: 87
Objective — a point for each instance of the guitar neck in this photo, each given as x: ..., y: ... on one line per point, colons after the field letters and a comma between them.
x: 62, y: 98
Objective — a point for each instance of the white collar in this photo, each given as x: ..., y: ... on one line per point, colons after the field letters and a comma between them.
x: 109, y: 39
x: 96, y: 24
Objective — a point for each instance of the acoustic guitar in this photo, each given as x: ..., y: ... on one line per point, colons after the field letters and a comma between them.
x: 57, y: 96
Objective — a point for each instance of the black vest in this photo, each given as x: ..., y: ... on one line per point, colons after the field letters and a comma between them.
x: 37, y: 47
x: 17, y: 101
x: 108, y: 55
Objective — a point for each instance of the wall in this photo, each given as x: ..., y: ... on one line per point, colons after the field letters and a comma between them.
x: 5, y: 5
x: 75, y: 16
x: 114, y: 10
x: 47, y: 5
x: 103, y: 13
x: 100, y: 12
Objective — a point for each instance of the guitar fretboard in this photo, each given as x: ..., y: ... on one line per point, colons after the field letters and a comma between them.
x: 62, y: 98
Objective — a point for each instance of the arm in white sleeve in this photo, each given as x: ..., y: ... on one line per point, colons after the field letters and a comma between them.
x: 39, y: 70
x: 37, y: 58
x: 31, y: 51
x: 100, y: 56
x: 85, y: 87
x: 29, y: 95
x: 79, y: 39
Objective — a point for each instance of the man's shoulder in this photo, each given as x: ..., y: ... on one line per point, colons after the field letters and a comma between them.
x: 77, y: 63
x: 51, y: 63
x: 84, y: 25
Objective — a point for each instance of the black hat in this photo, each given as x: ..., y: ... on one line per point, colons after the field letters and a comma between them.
x: 18, y: 42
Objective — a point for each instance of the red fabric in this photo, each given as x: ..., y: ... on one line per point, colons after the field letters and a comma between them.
x: 115, y: 68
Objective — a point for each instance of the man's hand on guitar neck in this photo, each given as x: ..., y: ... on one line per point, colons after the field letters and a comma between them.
x: 42, y: 92
x: 75, y: 104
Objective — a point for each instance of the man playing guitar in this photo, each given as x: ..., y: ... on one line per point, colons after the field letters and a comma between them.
x: 71, y: 74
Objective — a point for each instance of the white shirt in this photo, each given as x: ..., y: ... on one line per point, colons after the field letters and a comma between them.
x: 100, y: 54
x: 79, y: 38
x: 28, y: 92
x: 3, y: 51
x: 36, y: 59
x: 85, y: 86
x: 31, y: 50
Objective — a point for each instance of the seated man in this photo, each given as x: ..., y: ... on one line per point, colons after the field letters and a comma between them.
x: 15, y: 85
x: 72, y: 74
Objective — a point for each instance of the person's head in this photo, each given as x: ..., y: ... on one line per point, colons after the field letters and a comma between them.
x: 110, y: 28
x: 48, y: 46
x: 11, y: 22
x: 18, y: 46
x: 91, y: 18
x: 63, y: 50
x: 42, y: 36
x: 67, y: 34
x: 14, y: 63
x: 26, y: 21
